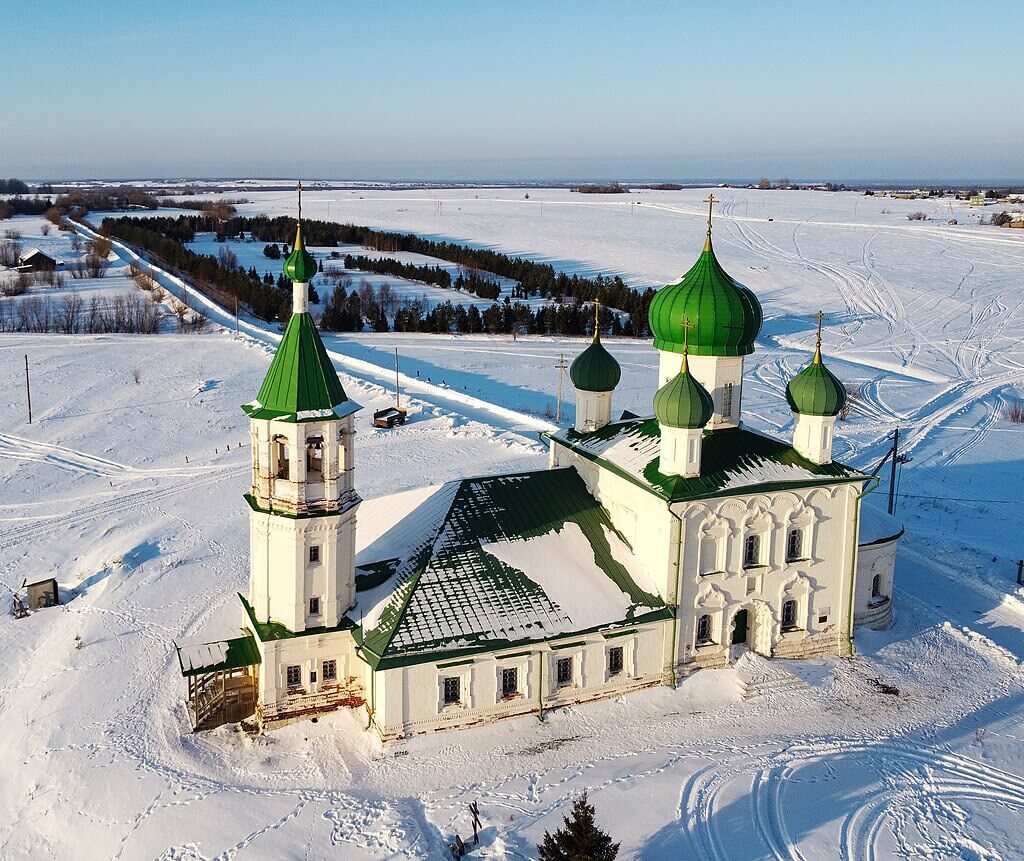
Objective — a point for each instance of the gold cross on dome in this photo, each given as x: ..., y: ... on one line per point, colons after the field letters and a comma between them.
x: 300, y: 200
x: 710, y: 200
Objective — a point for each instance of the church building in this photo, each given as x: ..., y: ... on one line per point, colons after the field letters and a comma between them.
x: 651, y: 547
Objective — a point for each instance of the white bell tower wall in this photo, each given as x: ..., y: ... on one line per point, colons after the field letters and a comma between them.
x: 813, y: 437
x: 593, y: 410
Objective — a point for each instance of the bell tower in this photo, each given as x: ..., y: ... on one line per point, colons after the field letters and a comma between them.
x: 302, y: 497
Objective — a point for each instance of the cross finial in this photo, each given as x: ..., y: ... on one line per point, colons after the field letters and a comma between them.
x: 817, y: 343
x: 710, y: 200
x: 300, y: 200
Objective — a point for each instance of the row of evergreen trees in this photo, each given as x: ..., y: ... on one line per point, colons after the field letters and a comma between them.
x: 534, y: 279
x: 410, y: 271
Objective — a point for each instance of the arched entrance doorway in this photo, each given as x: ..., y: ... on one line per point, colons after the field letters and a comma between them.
x: 750, y: 628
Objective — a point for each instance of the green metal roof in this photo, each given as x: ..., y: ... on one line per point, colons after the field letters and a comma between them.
x: 272, y: 630
x: 453, y: 595
x: 595, y: 369
x: 683, y: 402
x: 301, y: 383
x: 197, y: 659
x: 725, y: 316
x: 733, y: 461
x: 816, y: 391
x: 300, y: 266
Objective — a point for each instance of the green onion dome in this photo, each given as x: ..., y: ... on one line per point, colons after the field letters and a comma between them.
x: 683, y: 402
x: 726, y: 316
x: 816, y: 391
x: 595, y: 369
x: 300, y: 266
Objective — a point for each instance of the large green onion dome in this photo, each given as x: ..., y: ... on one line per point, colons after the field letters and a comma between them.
x: 683, y: 402
x: 595, y: 369
x: 726, y: 316
x: 816, y: 391
x: 300, y: 266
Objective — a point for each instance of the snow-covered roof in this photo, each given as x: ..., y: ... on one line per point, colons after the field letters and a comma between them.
x: 733, y: 460
x: 876, y: 525
x: 492, y: 562
x: 197, y: 657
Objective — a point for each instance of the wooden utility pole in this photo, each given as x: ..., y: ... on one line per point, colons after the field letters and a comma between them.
x: 561, y: 365
x: 236, y: 315
x: 1020, y: 572
x: 28, y: 391
x: 398, y: 387
x: 892, y: 471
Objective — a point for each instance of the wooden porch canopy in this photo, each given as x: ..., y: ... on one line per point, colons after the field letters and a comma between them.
x: 221, y: 680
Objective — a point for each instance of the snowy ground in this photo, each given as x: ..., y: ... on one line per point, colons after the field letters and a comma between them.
x: 148, y: 547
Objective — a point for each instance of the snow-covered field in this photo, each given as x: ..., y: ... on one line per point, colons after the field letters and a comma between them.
x: 129, y: 493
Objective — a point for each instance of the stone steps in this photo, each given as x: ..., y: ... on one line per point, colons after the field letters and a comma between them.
x: 759, y: 677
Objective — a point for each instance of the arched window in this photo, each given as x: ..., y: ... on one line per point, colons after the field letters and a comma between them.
x: 280, y: 456
x: 876, y: 586
x: 314, y: 457
x: 794, y: 545
x: 789, y: 615
x: 752, y: 551
x: 703, y: 629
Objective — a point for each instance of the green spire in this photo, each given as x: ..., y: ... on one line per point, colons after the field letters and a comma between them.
x: 816, y: 391
x: 595, y: 369
x: 683, y: 402
x: 300, y: 266
x: 726, y: 315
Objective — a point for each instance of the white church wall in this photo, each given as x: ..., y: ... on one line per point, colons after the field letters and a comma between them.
x: 876, y: 559
x: 316, y: 691
x: 640, y: 517
x: 818, y: 580
x: 410, y: 700
x: 722, y: 376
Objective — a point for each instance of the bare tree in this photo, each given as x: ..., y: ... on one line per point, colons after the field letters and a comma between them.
x: 44, y: 228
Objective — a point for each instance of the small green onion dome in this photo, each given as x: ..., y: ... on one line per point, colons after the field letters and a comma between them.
x: 595, y: 369
x: 816, y: 391
x: 726, y: 316
x: 683, y: 402
x: 300, y: 266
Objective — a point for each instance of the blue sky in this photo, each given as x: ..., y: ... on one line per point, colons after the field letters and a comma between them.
x: 511, y: 90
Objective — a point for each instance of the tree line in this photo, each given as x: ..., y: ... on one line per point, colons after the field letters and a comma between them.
x: 534, y: 279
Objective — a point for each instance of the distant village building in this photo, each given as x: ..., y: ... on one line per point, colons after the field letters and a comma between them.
x: 652, y: 547
x: 34, y: 260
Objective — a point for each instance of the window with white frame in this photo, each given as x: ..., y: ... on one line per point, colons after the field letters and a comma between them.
x: 789, y: 609
x: 314, y: 554
x: 293, y: 676
x: 314, y: 606
x: 615, y: 660
x: 794, y: 544
x: 703, y: 629
x: 876, y: 587
x: 752, y: 551
x: 330, y: 670
x: 709, y: 554
x: 563, y: 672
x: 452, y: 690
x: 509, y: 682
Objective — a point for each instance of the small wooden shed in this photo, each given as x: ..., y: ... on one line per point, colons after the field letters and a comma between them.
x: 34, y: 260
x: 44, y: 593
x: 389, y: 417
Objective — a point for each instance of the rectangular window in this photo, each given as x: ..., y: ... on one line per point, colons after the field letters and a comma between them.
x: 314, y: 455
x: 312, y: 677
x: 727, y: 400
x: 314, y: 606
x: 452, y: 690
x: 752, y: 551
x: 709, y: 555
x: 788, y: 615
x: 330, y: 671
x: 614, y: 660
x: 703, y: 629
x: 294, y: 676
x: 509, y: 682
x: 314, y: 553
x: 563, y: 672
x: 794, y: 545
